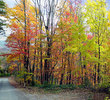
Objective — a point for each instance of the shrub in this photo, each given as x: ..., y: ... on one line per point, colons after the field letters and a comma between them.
x: 68, y: 86
x: 4, y: 74
x: 87, y: 83
x: 107, y: 98
x: 105, y: 84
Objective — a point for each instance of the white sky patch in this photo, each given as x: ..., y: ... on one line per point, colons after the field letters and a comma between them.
x: 7, y: 30
x: 7, y: 33
x: 2, y: 38
x: 10, y: 3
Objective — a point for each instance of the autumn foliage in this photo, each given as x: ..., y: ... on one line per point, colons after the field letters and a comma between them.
x: 59, y: 52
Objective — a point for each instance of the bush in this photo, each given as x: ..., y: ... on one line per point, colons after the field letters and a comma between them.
x: 105, y: 85
x: 24, y: 77
x: 107, y: 98
x: 68, y: 86
x: 48, y: 86
x: 4, y: 74
x: 86, y: 83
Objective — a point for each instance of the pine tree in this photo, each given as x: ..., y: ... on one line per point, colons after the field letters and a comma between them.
x: 2, y: 13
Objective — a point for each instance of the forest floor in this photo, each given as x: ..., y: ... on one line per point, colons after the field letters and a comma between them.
x: 36, y: 93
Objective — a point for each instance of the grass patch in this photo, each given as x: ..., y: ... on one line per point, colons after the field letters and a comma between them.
x: 55, y: 88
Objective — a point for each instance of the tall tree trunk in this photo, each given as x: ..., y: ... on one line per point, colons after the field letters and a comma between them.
x: 47, y: 61
x: 41, y: 65
x: 95, y: 73
x: 98, y: 70
x: 62, y: 72
x: 35, y: 3
x: 25, y: 44
x: 25, y: 28
x: 69, y: 68
x: 34, y: 64
x: 81, y: 67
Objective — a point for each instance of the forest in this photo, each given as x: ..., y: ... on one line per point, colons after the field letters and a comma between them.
x: 59, y: 42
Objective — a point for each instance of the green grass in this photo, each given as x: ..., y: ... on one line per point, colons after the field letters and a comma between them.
x: 56, y: 88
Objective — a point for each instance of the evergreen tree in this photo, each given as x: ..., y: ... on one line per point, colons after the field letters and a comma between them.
x: 2, y: 13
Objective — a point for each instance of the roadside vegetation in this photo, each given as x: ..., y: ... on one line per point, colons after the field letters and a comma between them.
x: 60, y: 44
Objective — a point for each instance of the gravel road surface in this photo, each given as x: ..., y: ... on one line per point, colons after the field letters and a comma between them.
x: 8, y: 92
